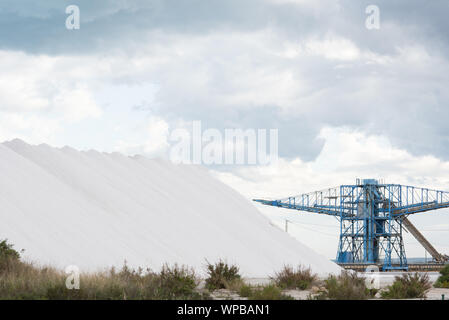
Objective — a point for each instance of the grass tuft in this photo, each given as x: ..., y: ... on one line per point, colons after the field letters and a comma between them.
x: 299, y: 278
x: 222, y: 275
x: 346, y: 286
x: 443, y: 279
x: 408, y: 286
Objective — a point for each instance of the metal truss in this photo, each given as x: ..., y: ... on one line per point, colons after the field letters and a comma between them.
x: 372, y: 218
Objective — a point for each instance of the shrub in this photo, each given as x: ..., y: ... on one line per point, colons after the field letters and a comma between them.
x: 443, y: 279
x: 408, y: 287
x: 177, y: 282
x: 346, y: 286
x: 8, y: 257
x: 221, y: 275
x: 24, y: 281
x: 268, y: 292
x: 245, y: 291
x: 7, y: 251
x: 289, y: 278
x: 171, y: 283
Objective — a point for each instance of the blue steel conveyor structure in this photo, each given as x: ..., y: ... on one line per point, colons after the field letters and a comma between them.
x: 372, y: 217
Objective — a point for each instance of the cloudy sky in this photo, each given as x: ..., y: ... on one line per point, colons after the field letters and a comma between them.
x: 348, y: 101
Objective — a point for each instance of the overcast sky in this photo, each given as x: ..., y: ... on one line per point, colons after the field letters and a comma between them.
x: 348, y: 101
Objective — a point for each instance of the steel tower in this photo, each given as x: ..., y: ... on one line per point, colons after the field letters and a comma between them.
x: 372, y: 217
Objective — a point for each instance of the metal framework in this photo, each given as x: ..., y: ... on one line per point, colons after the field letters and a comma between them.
x: 372, y: 218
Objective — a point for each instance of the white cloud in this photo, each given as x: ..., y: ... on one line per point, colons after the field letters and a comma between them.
x: 333, y: 47
x: 150, y: 140
x: 40, y: 83
x: 157, y: 136
x: 347, y: 154
x: 32, y: 128
x: 76, y: 104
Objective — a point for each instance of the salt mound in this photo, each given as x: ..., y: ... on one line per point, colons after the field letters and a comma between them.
x: 95, y: 210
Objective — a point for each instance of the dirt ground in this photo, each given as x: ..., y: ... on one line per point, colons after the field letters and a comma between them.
x: 384, y: 280
x: 223, y: 294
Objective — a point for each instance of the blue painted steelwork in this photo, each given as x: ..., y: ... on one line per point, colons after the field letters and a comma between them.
x: 371, y: 217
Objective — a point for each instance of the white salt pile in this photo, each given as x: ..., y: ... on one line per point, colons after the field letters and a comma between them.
x: 95, y: 210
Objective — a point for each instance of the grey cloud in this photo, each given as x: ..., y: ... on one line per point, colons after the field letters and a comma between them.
x: 402, y: 101
x: 26, y: 25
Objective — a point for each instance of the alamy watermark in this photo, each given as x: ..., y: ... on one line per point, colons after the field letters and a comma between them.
x: 72, y: 281
x: 372, y: 22
x: 372, y: 279
x: 73, y: 20
x: 233, y: 147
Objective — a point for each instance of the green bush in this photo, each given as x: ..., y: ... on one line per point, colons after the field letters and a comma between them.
x: 289, y: 278
x: 245, y: 291
x: 268, y: 292
x: 408, y: 287
x: 177, y: 282
x: 346, y: 286
x: 443, y: 279
x: 7, y: 251
x: 23, y: 281
x: 8, y: 257
x: 221, y: 275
